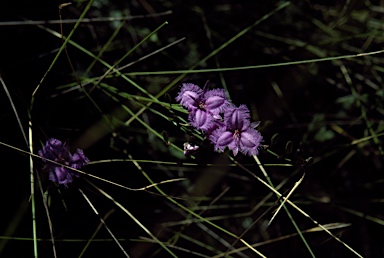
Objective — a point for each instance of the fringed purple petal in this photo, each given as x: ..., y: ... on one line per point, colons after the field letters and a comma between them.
x: 189, y: 95
x: 221, y: 138
x: 52, y: 149
x: 215, y: 101
x: 237, y: 118
x: 234, y: 149
x: 201, y: 120
x: 78, y: 159
x: 61, y: 175
x: 250, y: 142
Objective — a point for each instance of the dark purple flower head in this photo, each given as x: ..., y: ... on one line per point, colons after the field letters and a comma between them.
x: 57, y: 151
x: 237, y: 134
x: 204, y: 106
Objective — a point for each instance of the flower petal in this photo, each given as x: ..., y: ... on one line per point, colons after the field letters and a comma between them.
x: 250, y: 141
x: 237, y: 118
x: 201, y: 120
x: 78, y: 159
x: 215, y: 101
x: 220, y: 138
x: 189, y: 95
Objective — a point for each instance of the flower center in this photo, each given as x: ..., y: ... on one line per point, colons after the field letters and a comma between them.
x: 236, y: 134
x: 202, y: 105
x: 62, y: 159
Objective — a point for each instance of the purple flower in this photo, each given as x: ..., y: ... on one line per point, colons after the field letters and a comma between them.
x: 189, y: 94
x: 204, y: 106
x: 57, y: 151
x: 189, y: 148
x: 237, y: 133
x: 206, y: 109
x: 201, y: 119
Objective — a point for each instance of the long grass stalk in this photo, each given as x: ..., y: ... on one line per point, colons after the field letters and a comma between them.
x: 250, y: 67
x: 32, y: 188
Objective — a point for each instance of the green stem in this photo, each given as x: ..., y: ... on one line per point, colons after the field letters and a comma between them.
x: 32, y: 179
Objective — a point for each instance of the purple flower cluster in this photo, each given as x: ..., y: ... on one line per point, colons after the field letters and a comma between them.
x: 57, y: 151
x: 234, y: 131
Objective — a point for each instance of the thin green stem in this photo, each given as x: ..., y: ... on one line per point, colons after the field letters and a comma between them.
x: 213, y: 70
x: 32, y: 179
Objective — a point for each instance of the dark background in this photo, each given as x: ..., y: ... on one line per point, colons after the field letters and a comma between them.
x: 323, y: 107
